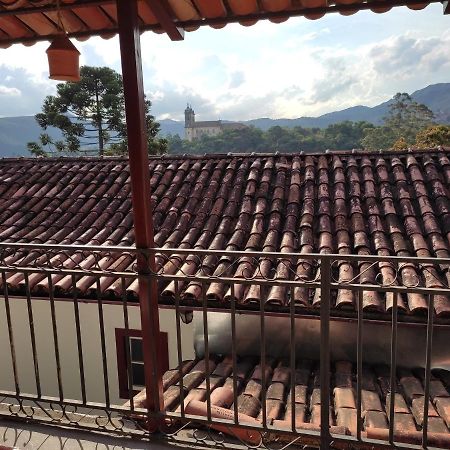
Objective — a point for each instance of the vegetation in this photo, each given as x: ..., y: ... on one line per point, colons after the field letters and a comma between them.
x: 91, y: 117
x: 433, y: 136
x: 408, y: 124
x: 345, y: 135
x: 406, y: 118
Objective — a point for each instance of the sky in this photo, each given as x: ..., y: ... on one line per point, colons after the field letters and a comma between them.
x: 298, y: 68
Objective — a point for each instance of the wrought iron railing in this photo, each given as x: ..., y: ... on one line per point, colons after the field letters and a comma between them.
x: 31, y: 274
x: 203, y: 281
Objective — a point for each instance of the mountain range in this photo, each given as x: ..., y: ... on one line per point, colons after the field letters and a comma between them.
x: 15, y: 132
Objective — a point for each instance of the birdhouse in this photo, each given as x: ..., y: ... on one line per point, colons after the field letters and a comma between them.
x: 63, y: 60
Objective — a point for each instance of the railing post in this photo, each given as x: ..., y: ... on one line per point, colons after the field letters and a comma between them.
x: 130, y: 50
x: 325, y: 298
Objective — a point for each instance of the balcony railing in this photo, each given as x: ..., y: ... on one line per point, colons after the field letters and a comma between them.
x: 60, y: 362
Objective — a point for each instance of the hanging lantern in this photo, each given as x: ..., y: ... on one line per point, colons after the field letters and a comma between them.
x: 63, y: 60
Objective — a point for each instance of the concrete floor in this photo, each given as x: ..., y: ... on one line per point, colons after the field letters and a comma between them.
x: 25, y: 436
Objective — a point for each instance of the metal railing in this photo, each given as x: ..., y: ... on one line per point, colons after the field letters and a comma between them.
x: 43, y: 301
x: 206, y: 282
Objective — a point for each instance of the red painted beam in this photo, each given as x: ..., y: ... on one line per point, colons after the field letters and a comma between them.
x: 130, y: 50
x: 163, y: 12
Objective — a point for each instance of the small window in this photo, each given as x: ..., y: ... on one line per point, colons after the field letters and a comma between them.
x: 133, y: 340
x: 137, y: 363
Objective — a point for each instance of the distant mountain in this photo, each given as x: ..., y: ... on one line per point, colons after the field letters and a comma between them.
x: 15, y: 132
x: 435, y: 96
x: 169, y: 126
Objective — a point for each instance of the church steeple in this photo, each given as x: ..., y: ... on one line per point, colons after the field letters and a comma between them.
x: 189, y: 117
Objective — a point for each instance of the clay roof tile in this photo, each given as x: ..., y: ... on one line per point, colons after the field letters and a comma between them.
x: 350, y: 204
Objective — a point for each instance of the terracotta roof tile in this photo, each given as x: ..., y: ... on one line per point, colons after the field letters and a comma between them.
x: 409, y: 399
x: 335, y: 203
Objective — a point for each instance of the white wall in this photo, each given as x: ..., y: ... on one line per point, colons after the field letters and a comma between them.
x: 195, y: 133
x: 188, y: 134
x: 208, y: 131
x: 91, y: 343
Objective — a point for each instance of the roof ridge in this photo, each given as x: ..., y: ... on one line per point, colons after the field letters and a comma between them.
x: 64, y: 158
x: 344, y: 153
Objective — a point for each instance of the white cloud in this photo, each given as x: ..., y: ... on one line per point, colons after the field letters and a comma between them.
x: 297, y: 68
x: 402, y: 54
x: 32, y: 59
x: 21, y: 92
x: 9, y: 91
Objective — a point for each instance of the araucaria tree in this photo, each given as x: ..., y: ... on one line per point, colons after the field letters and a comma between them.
x: 91, y: 117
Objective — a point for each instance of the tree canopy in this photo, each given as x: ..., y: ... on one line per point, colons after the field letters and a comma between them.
x: 433, y: 136
x: 91, y: 117
x: 406, y: 118
x: 345, y: 135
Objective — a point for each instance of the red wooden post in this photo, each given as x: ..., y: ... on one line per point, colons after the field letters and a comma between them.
x: 446, y: 7
x: 130, y: 49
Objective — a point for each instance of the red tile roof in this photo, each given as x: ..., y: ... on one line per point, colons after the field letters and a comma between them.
x: 382, y: 204
x: 375, y: 395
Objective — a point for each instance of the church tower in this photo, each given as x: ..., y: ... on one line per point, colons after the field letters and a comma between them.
x: 189, y: 117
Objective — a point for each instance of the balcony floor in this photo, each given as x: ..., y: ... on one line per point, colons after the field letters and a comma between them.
x: 34, y: 436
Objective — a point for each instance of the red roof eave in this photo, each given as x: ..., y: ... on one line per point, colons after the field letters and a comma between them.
x: 24, y: 22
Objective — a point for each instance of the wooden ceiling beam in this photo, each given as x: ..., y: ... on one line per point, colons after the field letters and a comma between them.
x: 164, y: 14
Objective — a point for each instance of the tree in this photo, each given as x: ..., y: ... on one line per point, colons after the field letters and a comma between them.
x: 405, y: 119
x: 90, y: 113
x: 378, y: 138
x: 433, y: 136
x: 175, y: 144
x: 346, y: 135
x: 400, y: 144
x: 155, y: 145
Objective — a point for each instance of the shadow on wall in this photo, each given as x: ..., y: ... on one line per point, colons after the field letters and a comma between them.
x: 411, y: 339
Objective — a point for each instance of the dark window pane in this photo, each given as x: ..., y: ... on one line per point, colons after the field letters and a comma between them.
x: 138, y: 374
x: 136, y: 349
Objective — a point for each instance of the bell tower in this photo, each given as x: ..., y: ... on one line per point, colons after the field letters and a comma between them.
x: 189, y: 117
